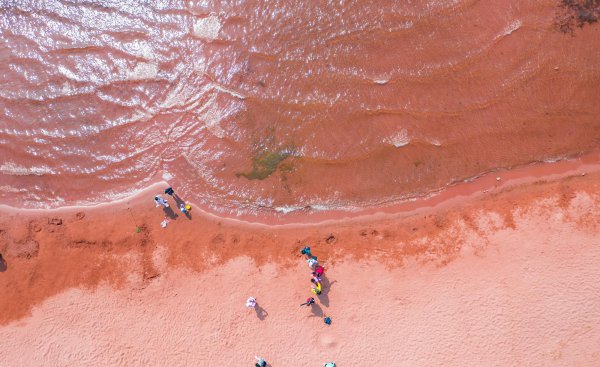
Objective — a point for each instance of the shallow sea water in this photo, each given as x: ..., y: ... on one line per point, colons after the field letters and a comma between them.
x: 269, y: 107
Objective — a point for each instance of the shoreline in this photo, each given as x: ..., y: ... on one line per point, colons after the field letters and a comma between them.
x: 453, y: 193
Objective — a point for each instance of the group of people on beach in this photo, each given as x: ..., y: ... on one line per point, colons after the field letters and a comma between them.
x: 317, y: 269
x: 316, y: 288
x: 316, y: 275
x: 160, y: 201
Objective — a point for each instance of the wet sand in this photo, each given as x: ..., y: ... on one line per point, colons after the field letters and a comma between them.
x: 503, y: 277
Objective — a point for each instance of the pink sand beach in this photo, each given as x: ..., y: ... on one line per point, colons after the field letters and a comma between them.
x: 440, y: 158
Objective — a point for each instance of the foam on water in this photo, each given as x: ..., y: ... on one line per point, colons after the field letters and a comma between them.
x: 103, y: 98
x: 207, y: 28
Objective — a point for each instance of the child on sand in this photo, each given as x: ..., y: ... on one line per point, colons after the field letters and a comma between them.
x: 309, y: 301
x: 183, y: 208
x: 261, y: 362
x: 251, y: 302
x: 160, y: 201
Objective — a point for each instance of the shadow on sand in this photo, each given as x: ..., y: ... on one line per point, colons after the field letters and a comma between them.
x: 261, y: 313
x: 324, y: 296
x: 169, y: 213
x: 316, y: 310
x: 3, y: 265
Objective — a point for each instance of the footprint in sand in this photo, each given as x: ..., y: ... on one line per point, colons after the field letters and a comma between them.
x: 327, y: 341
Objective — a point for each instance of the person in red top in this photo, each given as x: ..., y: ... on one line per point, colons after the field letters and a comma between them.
x: 319, y: 270
x: 309, y: 301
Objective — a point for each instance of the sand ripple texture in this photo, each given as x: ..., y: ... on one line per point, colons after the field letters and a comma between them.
x: 250, y: 106
x: 523, y: 295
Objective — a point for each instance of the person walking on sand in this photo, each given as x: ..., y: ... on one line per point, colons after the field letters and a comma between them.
x: 251, y: 302
x: 169, y: 191
x: 312, y: 262
x: 160, y: 201
x: 260, y: 362
x: 319, y: 270
x: 316, y: 282
x: 316, y: 288
x: 309, y: 301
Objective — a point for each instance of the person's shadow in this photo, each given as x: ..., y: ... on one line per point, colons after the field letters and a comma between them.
x: 261, y: 313
x: 317, y: 311
x: 170, y: 213
x: 179, y: 202
x: 3, y: 265
x: 324, y: 296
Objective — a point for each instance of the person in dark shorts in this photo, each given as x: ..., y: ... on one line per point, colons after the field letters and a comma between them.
x: 169, y: 191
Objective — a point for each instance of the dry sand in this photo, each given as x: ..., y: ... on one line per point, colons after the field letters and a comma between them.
x: 509, y: 277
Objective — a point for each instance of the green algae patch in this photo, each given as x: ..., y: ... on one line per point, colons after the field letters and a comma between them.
x: 264, y: 164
